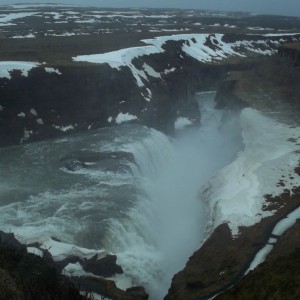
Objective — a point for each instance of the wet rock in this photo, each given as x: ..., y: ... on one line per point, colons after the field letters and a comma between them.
x: 72, y: 259
x: 8, y: 287
x: 27, y: 276
x: 278, y: 279
x: 103, y: 287
x: 222, y: 260
x: 8, y: 241
x: 138, y: 292
x: 194, y: 284
x: 109, y: 161
x: 291, y: 51
x: 105, y: 267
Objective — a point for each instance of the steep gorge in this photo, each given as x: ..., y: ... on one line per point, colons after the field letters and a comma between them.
x: 270, y: 85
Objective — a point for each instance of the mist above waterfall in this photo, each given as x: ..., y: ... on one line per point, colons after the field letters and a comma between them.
x: 129, y: 190
x: 175, y: 215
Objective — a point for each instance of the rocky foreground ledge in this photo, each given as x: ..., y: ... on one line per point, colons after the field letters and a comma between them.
x: 24, y: 275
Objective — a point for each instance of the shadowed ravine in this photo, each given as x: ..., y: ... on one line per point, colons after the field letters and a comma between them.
x: 179, y: 223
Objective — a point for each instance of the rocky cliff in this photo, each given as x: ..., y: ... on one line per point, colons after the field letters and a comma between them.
x: 291, y: 52
x: 154, y: 88
x: 271, y: 86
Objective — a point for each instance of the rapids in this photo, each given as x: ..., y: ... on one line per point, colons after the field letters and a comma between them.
x: 128, y: 189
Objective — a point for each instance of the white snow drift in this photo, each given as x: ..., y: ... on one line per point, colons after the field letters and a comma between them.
x: 236, y: 193
x: 203, y: 47
x: 6, y: 67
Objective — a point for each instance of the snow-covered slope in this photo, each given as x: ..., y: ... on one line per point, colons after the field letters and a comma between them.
x: 266, y: 166
x: 6, y: 67
x: 205, y: 48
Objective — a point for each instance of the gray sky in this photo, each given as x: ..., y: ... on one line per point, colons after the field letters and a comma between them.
x: 282, y: 7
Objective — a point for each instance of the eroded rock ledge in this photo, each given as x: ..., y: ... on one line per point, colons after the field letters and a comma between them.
x: 27, y: 276
x: 222, y: 259
x: 77, y: 96
x: 278, y: 277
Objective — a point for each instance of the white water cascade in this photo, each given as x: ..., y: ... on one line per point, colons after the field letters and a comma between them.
x: 169, y: 221
x: 127, y: 190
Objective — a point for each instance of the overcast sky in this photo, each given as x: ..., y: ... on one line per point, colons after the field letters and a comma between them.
x: 283, y: 7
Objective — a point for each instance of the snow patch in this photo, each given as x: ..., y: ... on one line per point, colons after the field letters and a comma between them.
x: 167, y: 71
x: 35, y: 251
x: 52, y: 70
x: 282, y: 226
x: 287, y: 222
x: 6, y: 67
x: 202, y: 47
x: 236, y: 193
x: 260, y: 257
x: 55, y: 15
x: 64, y: 128
x: 40, y: 121
x: 121, y: 118
x: 21, y: 115
x: 26, y: 136
x: 61, y: 250
x: 15, y: 16
x: 74, y: 270
x: 150, y: 71
x: 122, y: 58
x: 182, y: 122
x: 27, y: 36
x: 33, y: 112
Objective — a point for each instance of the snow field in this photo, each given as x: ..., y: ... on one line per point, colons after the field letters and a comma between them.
x: 236, y: 194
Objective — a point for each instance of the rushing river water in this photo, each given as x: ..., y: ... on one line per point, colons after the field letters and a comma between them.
x: 128, y: 189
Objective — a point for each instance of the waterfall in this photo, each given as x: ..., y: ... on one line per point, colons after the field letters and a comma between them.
x: 168, y: 222
x: 129, y: 190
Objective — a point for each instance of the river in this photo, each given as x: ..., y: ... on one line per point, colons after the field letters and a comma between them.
x: 128, y: 189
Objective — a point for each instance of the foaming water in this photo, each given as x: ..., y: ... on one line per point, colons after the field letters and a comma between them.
x: 171, y: 217
x: 129, y: 190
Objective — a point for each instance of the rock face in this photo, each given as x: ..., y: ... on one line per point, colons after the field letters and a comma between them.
x: 223, y: 259
x: 277, y: 279
x: 153, y: 89
x: 291, y: 52
x: 277, y: 276
x: 82, y: 97
x: 27, y: 276
x: 108, y: 288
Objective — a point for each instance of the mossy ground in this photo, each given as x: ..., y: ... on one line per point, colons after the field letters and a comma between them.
x: 26, y: 276
x: 276, y: 280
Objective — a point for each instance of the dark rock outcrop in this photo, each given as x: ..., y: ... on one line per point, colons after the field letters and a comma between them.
x: 138, y: 292
x: 291, y: 52
x: 223, y: 259
x: 83, y: 96
x: 105, y: 267
x: 269, y: 84
x: 276, y: 279
x: 27, y: 276
x: 106, y: 160
x: 108, y: 288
